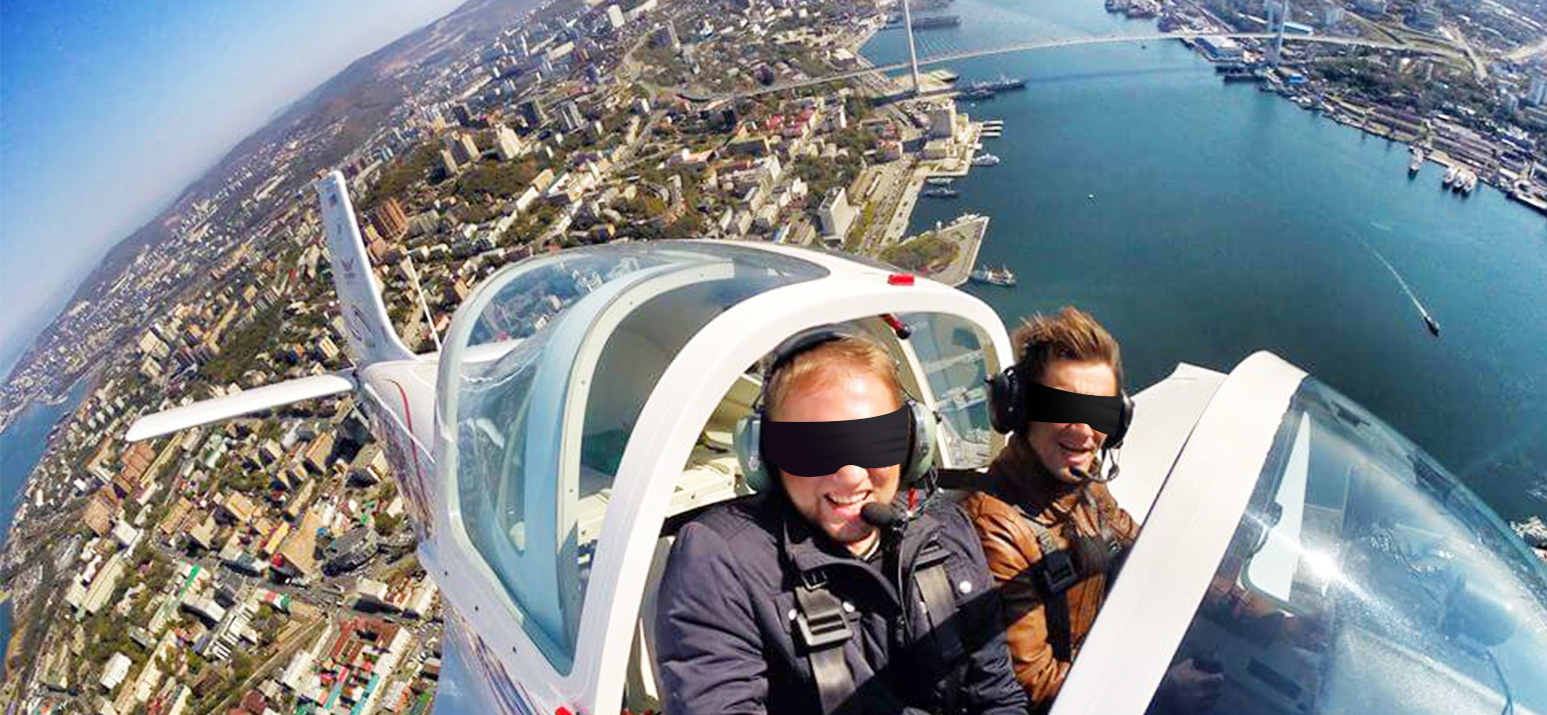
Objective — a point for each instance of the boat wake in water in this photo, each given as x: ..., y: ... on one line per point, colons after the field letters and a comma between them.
x: 1428, y: 320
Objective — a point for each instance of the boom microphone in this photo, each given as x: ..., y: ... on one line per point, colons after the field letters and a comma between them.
x: 881, y: 516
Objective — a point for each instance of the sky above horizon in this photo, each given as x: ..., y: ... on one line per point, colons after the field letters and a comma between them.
x: 107, y: 115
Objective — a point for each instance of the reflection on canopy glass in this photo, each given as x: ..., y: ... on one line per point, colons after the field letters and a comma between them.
x: 1363, y: 578
x: 549, y: 382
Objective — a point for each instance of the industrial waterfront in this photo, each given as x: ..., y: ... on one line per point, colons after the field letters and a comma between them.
x: 1205, y: 221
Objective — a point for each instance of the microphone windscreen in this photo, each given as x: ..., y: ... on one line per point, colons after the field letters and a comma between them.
x: 881, y: 516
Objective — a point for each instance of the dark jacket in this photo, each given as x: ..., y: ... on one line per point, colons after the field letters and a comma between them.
x: 724, y: 623
x: 1016, y: 486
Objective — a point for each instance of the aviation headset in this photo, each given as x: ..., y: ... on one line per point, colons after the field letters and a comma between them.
x: 748, y: 436
x: 1007, y: 406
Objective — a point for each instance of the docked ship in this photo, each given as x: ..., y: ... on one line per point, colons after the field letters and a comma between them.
x: 1002, y: 83
x: 999, y: 277
x: 1451, y: 175
x: 1417, y: 160
x: 940, y: 181
x: 981, y: 90
x: 1238, y: 73
x: 985, y: 160
x: 928, y: 22
x: 1469, y: 182
x: 1459, y: 183
x: 940, y: 192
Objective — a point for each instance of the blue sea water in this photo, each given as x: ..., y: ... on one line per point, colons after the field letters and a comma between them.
x: 1202, y: 222
x: 21, y: 446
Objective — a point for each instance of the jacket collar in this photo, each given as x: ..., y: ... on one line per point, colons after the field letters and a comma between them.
x: 1019, y: 477
x: 809, y: 550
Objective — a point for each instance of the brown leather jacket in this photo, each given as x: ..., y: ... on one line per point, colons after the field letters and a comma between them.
x: 1017, y: 479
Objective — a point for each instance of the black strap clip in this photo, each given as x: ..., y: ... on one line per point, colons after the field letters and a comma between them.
x: 820, y: 617
x: 1058, y: 573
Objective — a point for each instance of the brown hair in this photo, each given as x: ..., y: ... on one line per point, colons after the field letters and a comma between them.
x: 836, y: 358
x: 1072, y: 334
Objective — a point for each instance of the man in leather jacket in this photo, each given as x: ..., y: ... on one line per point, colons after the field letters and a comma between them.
x: 1038, y: 499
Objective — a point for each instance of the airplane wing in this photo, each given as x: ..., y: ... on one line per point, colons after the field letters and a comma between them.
x: 241, y: 403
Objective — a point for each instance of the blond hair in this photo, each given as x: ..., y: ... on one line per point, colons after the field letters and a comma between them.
x: 831, y: 360
x: 1072, y: 334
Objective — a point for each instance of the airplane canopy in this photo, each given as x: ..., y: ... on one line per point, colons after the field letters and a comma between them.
x: 1406, y: 594
x: 543, y: 378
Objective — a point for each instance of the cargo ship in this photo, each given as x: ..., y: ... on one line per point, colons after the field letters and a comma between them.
x: 928, y: 22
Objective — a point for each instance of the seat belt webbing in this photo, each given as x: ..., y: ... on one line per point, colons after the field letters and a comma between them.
x: 824, y: 631
x: 934, y: 586
x: 1056, y: 574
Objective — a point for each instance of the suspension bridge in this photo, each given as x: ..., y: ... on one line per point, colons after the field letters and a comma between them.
x: 943, y: 51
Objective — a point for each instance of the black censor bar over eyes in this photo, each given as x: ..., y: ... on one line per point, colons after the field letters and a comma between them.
x: 1050, y: 404
x: 817, y: 449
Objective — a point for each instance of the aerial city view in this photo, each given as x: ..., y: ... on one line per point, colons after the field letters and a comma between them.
x: 380, y: 400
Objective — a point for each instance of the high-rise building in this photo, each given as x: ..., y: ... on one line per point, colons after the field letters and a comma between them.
x: 462, y: 113
x: 666, y: 36
x: 1537, y: 94
x: 573, y: 119
x: 461, y: 147
x: 506, y: 143
x: 836, y: 214
x: 449, y: 162
x: 615, y: 17
x: 942, y: 120
x: 533, y: 113
x: 388, y: 219
x: 434, y: 117
x: 1332, y: 14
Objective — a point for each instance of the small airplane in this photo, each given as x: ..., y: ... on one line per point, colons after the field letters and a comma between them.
x: 581, y: 409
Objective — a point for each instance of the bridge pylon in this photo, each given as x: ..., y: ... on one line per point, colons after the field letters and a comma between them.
x: 913, y: 56
x: 1276, y: 22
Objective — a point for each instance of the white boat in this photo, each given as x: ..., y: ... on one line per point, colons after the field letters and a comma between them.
x: 985, y: 160
x: 1001, y: 276
x: 940, y: 181
x: 1460, y: 180
x: 1469, y: 183
x: 1417, y: 160
x: 1451, y: 175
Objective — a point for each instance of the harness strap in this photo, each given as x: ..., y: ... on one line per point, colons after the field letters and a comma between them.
x: 1056, y: 575
x: 823, y: 631
x: 939, y: 602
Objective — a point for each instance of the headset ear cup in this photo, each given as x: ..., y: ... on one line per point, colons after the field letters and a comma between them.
x: 746, y: 440
x: 1125, y: 419
x: 922, y: 455
x: 1004, y: 401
